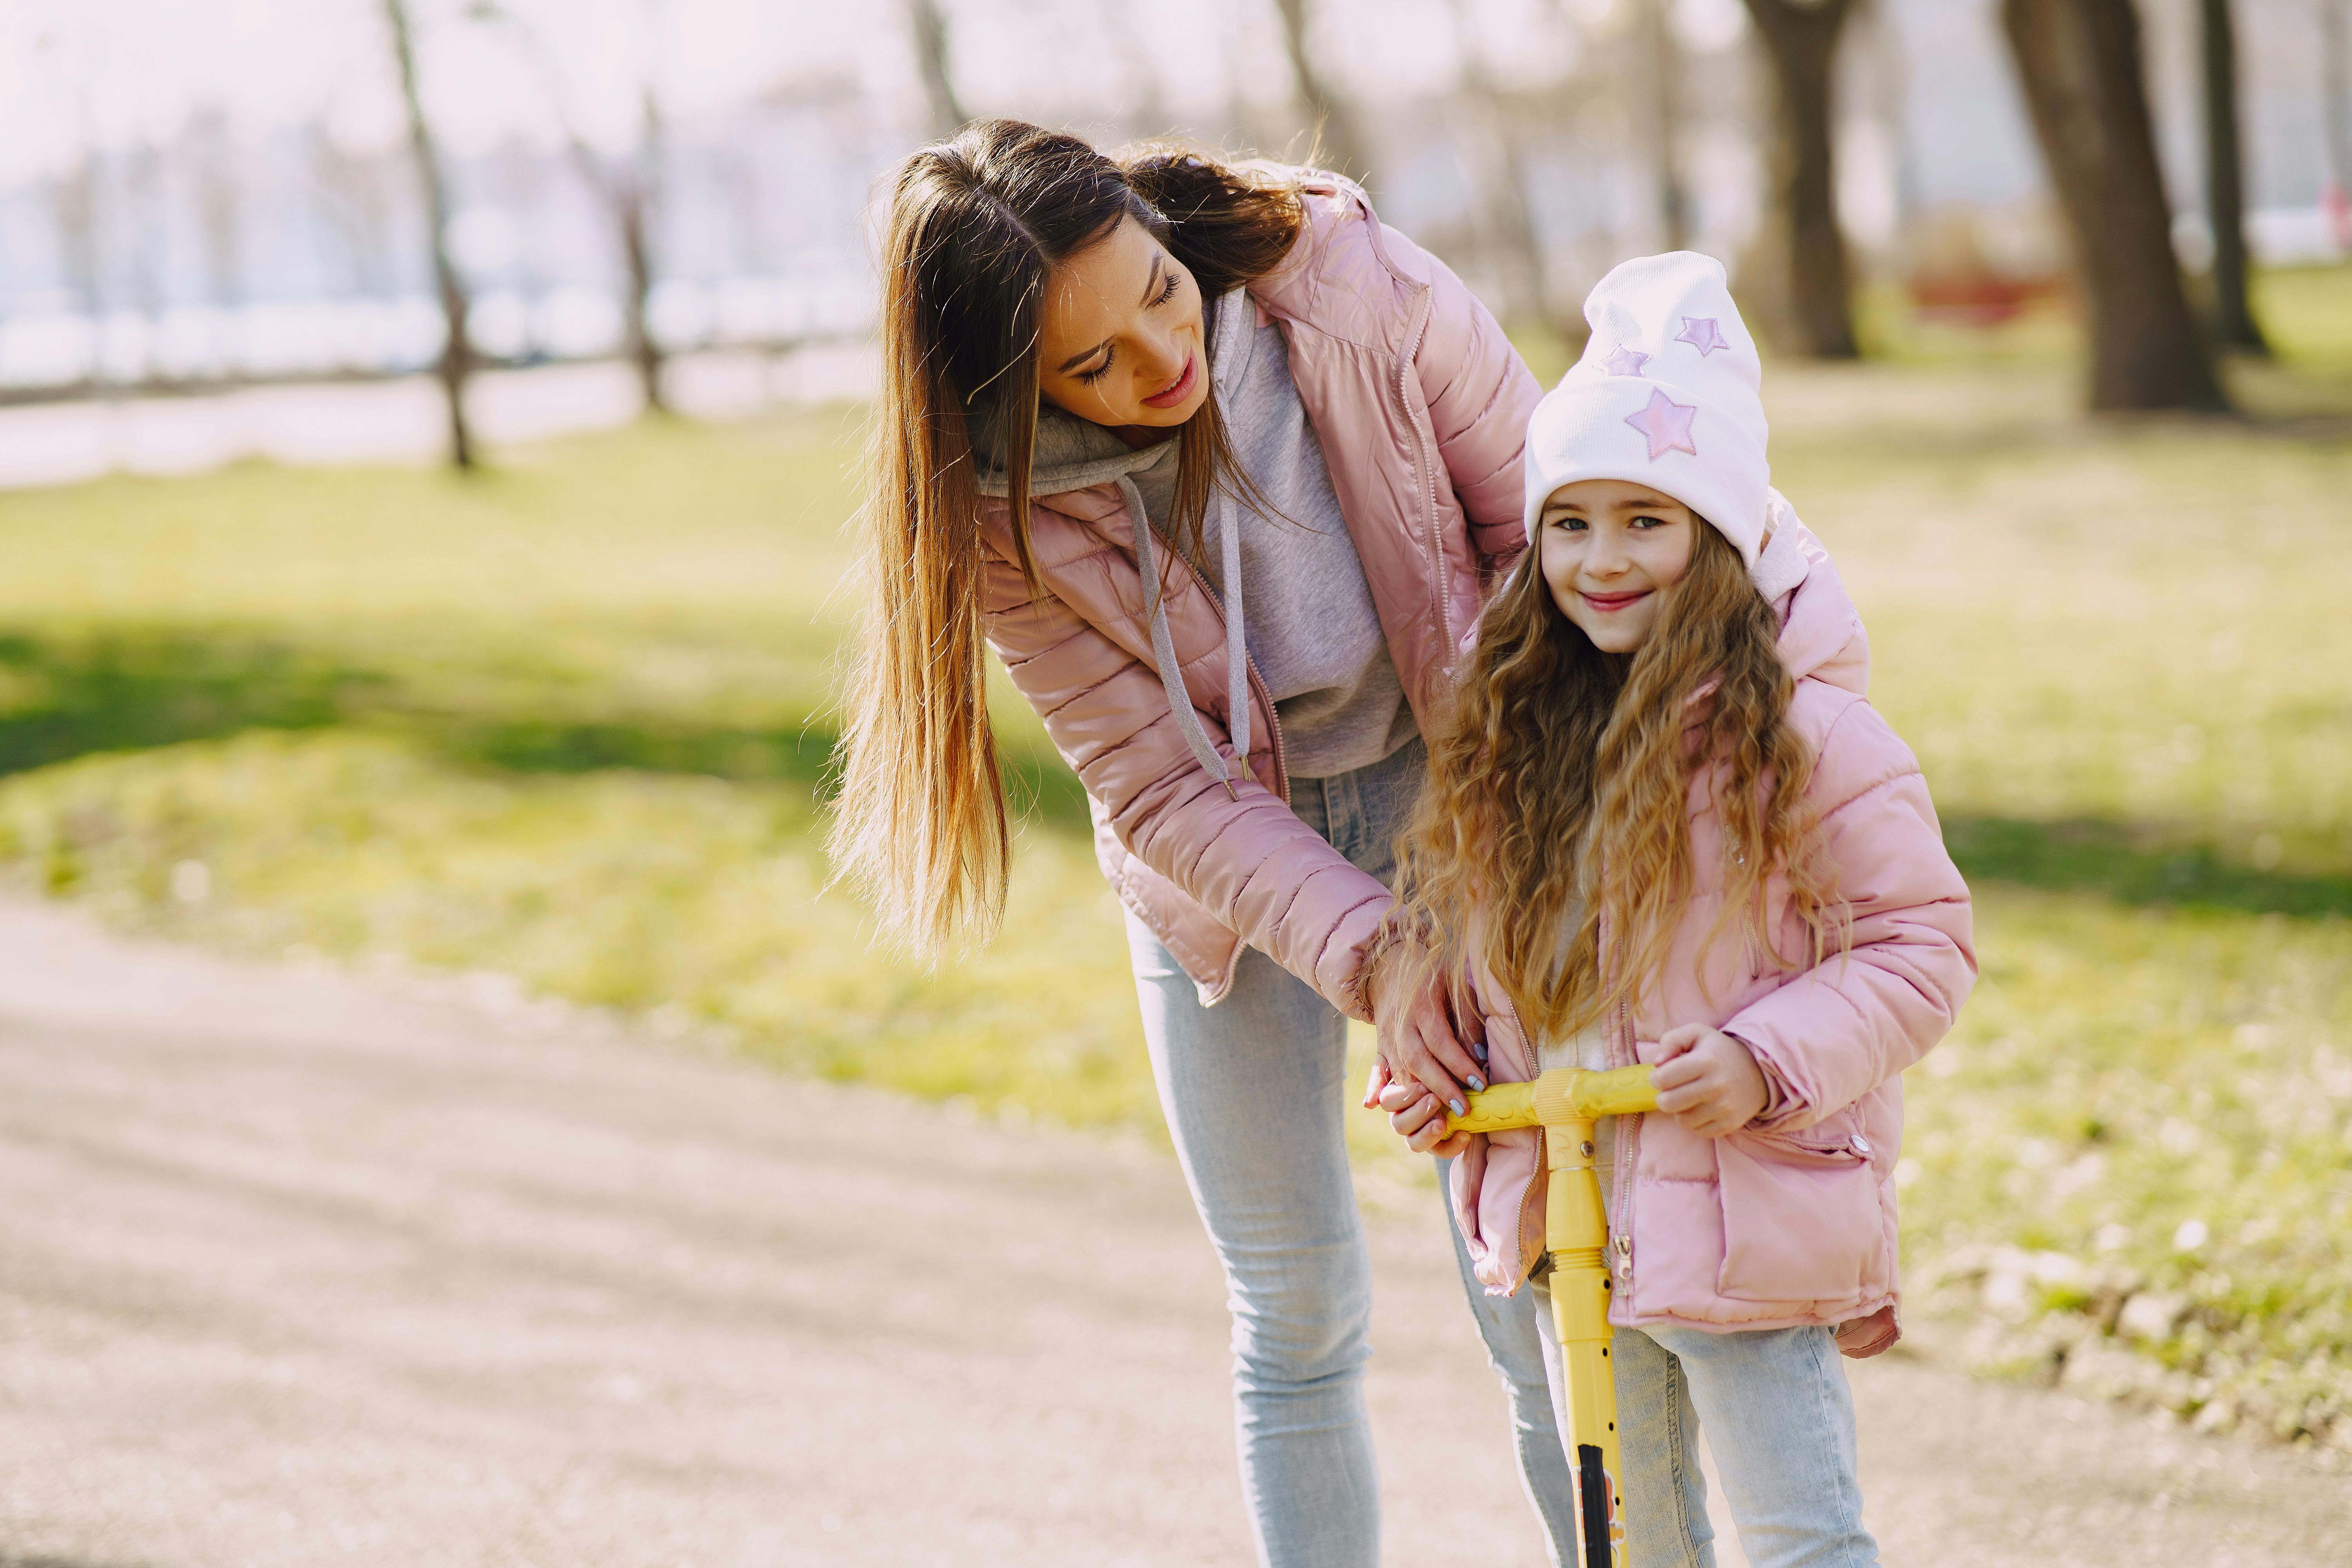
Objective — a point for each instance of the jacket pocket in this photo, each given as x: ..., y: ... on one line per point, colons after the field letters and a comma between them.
x: 1802, y: 1220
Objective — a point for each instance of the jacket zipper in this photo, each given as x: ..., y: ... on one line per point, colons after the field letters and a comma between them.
x: 1273, y: 729
x: 1628, y: 1151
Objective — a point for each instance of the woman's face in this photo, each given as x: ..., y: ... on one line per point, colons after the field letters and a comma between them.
x: 1609, y: 547
x: 1121, y: 343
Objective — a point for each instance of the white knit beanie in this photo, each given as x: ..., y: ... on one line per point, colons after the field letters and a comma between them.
x: 1665, y: 396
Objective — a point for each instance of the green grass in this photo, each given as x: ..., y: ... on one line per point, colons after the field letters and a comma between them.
x: 569, y: 721
x: 617, y: 887
x: 2152, y: 1103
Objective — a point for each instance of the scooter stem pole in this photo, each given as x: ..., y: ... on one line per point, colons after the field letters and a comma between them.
x: 1577, y: 1235
x: 1564, y: 1102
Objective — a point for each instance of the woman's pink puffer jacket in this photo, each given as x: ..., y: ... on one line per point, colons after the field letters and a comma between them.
x: 1421, y: 406
x: 1790, y: 1221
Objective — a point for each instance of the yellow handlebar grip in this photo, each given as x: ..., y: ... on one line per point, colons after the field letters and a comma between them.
x: 1559, y: 1094
x: 1621, y: 1091
x: 1497, y: 1109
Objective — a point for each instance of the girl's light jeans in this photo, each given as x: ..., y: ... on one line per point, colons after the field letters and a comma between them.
x: 1778, y: 1415
x: 1253, y: 1091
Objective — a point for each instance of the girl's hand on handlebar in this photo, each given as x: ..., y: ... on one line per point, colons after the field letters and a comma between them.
x: 1421, y: 1039
x: 1708, y: 1081
x: 1416, y: 1117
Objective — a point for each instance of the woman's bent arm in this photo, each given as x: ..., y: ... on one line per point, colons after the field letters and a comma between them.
x: 1249, y: 861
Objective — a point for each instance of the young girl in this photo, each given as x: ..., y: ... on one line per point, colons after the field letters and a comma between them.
x: 1666, y: 827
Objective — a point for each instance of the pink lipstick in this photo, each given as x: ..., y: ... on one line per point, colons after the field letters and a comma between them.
x: 1183, y: 388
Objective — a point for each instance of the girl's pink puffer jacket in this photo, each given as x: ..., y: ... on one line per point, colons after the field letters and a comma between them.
x: 1789, y: 1221
x: 1421, y: 405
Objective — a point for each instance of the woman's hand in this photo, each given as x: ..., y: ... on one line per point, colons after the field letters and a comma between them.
x: 1417, y: 1118
x: 1708, y: 1081
x: 1420, y: 1035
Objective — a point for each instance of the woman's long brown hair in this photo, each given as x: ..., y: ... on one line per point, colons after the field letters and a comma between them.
x: 1558, y: 801
x: 977, y: 224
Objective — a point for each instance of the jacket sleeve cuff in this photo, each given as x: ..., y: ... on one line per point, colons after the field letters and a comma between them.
x: 1781, y: 1103
x: 1353, y: 993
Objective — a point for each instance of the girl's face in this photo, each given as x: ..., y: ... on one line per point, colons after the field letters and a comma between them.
x: 1121, y: 341
x: 1609, y: 547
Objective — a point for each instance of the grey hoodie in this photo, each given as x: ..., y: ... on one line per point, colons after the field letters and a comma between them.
x: 1321, y: 650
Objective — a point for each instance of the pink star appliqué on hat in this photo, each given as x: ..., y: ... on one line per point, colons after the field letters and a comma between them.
x: 1703, y: 334
x: 1624, y: 361
x: 1666, y: 425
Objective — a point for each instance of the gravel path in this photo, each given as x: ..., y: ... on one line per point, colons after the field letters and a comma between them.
x: 297, y: 1268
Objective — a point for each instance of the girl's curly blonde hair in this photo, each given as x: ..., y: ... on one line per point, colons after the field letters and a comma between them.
x: 1561, y: 791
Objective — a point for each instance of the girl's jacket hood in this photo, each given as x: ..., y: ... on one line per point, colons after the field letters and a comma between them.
x: 1791, y: 1220
x: 1822, y: 635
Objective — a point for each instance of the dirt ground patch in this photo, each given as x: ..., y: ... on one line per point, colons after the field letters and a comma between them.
x: 299, y: 1267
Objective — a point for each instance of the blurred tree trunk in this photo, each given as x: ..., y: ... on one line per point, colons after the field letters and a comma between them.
x: 2335, y: 107
x: 220, y: 207
x: 932, y: 58
x: 1807, y: 307
x: 1337, y: 144
x: 2080, y: 63
x: 1508, y: 222
x: 359, y: 208
x: 630, y: 189
x: 1151, y: 117
x: 458, y: 351
x: 634, y: 196
x: 74, y: 198
x: 2225, y: 192
x: 142, y: 242
x: 1665, y: 122
x: 220, y: 217
x: 632, y: 192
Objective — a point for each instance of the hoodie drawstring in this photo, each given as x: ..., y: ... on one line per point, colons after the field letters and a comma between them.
x: 1163, y: 643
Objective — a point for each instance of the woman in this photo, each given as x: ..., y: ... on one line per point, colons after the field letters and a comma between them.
x: 1221, y: 468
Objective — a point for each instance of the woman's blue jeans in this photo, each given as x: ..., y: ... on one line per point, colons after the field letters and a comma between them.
x: 1253, y: 1091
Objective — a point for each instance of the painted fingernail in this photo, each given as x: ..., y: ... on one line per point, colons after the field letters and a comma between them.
x: 1457, y: 1107
x: 1477, y: 1082
x: 1478, y: 1049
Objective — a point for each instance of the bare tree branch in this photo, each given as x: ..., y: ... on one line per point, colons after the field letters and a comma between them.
x: 1149, y: 116
x: 219, y: 204
x: 457, y: 350
x: 1502, y: 188
x: 933, y: 57
x: 1665, y: 122
x: 1337, y: 144
x: 630, y: 190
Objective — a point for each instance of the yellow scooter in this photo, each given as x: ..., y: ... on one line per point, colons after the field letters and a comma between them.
x: 1564, y: 1102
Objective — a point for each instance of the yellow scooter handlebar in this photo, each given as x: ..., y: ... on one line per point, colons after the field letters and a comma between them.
x: 1560, y: 1095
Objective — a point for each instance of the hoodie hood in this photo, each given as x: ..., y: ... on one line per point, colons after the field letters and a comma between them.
x: 1071, y: 454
